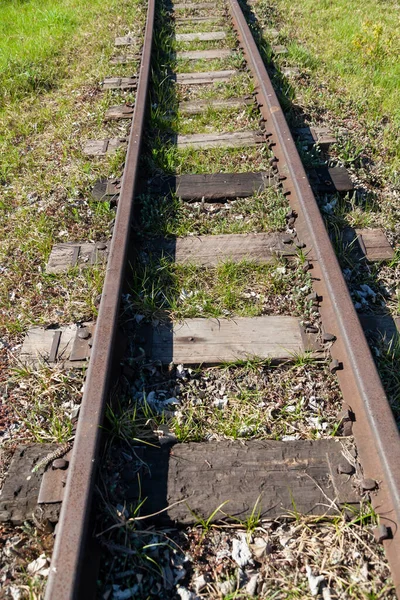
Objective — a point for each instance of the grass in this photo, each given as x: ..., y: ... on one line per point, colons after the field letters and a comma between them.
x: 162, y: 289
x: 165, y: 216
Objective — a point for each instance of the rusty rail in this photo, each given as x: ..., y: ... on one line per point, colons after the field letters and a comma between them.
x: 66, y: 577
x: 375, y: 430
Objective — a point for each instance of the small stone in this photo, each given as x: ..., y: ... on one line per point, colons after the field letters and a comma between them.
x: 241, y: 553
x: 227, y: 587
x: 199, y: 583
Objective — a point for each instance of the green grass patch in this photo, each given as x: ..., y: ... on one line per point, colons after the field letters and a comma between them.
x: 169, y: 217
x: 162, y: 289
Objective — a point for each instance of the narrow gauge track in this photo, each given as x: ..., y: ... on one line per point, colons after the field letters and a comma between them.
x: 365, y: 402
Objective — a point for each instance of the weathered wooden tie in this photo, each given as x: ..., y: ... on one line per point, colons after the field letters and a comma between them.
x: 123, y: 59
x: 66, y: 256
x: 210, y: 250
x: 203, y: 78
x: 209, y: 36
x: 316, y: 135
x: 371, y: 244
x: 67, y: 345
x: 194, y: 19
x: 126, y: 40
x: 102, y: 147
x: 330, y: 179
x: 121, y: 111
x: 196, y: 107
x: 119, y: 83
x: 215, y: 341
x: 236, y: 139
x: 218, y: 53
x: 194, y: 6
x: 272, y: 477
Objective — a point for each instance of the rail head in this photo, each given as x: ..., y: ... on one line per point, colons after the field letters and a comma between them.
x: 66, y: 577
x: 376, y: 431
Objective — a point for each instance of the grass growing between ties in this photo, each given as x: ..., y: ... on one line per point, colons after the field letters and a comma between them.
x: 169, y: 217
x: 161, y: 289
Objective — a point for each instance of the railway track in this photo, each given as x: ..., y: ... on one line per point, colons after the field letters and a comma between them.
x: 328, y: 330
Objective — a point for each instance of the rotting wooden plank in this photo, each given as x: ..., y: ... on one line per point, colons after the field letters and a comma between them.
x: 106, y: 189
x: 371, y: 244
x: 291, y: 72
x: 72, y: 254
x: 210, y: 250
x: 126, y: 40
x: 196, y: 107
x: 275, y: 477
x: 202, y: 36
x: 203, y: 78
x: 102, y: 147
x: 19, y: 496
x: 217, y: 53
x: 212, y: 186
x: 38, y: 344
x: 235, y: 139
x: 194, y: 6
x: 279, y: 49
x: 119, y: 83
x: 316, y: 135
x: 123, y: 59
x: 213, y: 341
x: 383, y: 326
x: 330, y: 179
x: 194, y: 19
x: 121, y: 111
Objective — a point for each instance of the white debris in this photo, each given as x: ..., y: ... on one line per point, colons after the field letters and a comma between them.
x: 199, y: 583
x: 221, y: 402
x: 259, y: 547
x: 227, y: 587
x: 15, y: 592
x: 185, y: 594
x: 251, y: 587
x: 39, y: 566
x: 241, y: 552
x: 314, y: 581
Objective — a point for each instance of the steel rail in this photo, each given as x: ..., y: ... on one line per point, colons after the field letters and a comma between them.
x: 66, y: 576
x: 376, y: 432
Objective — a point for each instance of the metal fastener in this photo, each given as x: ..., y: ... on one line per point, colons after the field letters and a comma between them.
x: 84, y: 333
x: 60, y: 463
x: 381, y: 532
x: 101, y: 246
x: 347, y: 429
x: 335, y: 365
x: 287, y: 239
x: 328, y: 337
x: 368, y: 485
x: 345, y: 468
